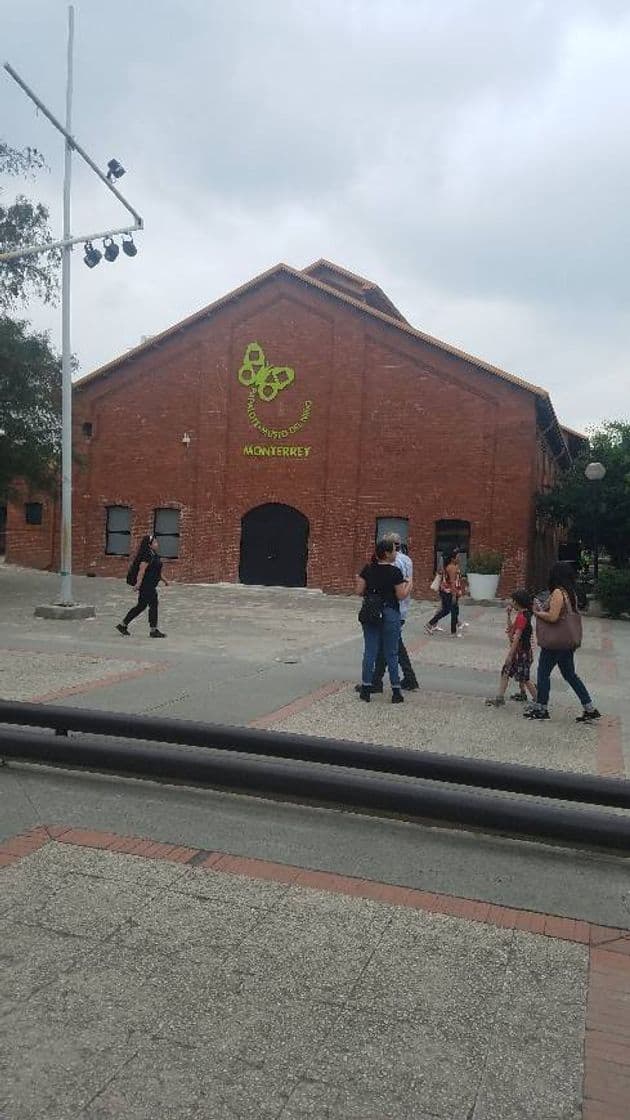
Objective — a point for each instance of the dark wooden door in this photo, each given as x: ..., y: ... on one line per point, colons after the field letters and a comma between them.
x: 274, y: 546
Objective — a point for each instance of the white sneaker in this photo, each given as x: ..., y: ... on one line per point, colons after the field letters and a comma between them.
x: 430, y: 629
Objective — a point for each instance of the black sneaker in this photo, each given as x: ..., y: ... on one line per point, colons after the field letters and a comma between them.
x: 397, y: 696
x: 372, y: 687
x: 536, y: 713
x: 122, y: 629
x: 365, y: 693
x: 409, y: 686
x: 156, y: 633
x: 587, y: 717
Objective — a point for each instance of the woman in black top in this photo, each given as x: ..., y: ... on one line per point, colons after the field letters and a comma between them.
x: 382, y: 585
x: 149, y: 576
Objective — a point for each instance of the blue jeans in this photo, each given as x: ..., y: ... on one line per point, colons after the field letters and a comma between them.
x: 563, y: 658
x: 389, y: 634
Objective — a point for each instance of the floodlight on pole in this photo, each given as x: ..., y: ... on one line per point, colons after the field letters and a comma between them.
x: 91, y: 258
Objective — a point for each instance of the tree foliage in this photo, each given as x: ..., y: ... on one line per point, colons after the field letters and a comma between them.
x: 23, y: 223
x: 30, y: 408
x: 580, y: 504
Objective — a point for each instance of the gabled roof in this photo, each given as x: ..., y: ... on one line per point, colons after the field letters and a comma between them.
x: 547, y: 417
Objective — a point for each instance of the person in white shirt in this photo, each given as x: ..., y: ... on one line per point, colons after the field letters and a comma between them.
x: 409, y: 680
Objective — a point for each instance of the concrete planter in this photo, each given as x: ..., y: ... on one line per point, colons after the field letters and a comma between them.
x: 482, y: 586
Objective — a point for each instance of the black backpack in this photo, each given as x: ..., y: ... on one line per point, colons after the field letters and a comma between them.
x: 133, y: 571
x: 371, y: 612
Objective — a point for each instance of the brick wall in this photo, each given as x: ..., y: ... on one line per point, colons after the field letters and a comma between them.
x: 33, y: 546
x: 398, y: 427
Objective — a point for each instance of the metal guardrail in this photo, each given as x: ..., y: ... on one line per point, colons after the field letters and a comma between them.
x: 385, y: 779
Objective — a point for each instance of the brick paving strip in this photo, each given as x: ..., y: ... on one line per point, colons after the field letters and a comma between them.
x: 606, y: 1091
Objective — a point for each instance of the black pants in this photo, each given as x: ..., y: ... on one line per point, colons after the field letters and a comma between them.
x: 403, y: 660
x: 450, y: 605
x: 147, y: 597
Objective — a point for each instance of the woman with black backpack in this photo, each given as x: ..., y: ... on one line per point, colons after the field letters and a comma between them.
x: 145, y: 568
x: 381, y: 585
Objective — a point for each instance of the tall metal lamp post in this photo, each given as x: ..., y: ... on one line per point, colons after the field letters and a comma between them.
x: 65, y: 607
x: 596, y: 472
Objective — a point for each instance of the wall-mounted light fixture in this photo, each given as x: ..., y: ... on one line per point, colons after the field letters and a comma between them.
x: 186, y: 440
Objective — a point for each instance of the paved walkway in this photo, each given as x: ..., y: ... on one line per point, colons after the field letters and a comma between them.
x: 179, y: 983
x: 249, y: 958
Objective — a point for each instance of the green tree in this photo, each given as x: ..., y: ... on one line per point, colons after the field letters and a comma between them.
x: 580, y: 504
x: 30, y: 408
x: 23, y: 223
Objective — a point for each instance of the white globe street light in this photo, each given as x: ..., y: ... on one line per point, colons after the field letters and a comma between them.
x: 595, y: 472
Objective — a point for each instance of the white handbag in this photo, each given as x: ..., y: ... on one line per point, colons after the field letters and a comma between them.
x: 436, y: 581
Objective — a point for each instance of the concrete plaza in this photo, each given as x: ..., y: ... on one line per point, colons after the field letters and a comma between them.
x: 175, y: 952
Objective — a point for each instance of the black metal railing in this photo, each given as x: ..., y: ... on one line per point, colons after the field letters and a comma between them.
x: 445, y: 789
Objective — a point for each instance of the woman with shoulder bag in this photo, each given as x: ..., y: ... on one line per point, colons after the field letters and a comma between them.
x: 381, y: 585
x: 559, y: 634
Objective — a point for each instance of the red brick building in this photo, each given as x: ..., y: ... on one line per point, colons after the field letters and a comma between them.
x: 269, y: 437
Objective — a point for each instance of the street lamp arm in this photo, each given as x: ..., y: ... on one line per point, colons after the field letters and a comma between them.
x: 32, y: 250
x: 73, y: 144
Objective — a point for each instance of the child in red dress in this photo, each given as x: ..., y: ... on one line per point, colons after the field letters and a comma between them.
x: 519, y: 660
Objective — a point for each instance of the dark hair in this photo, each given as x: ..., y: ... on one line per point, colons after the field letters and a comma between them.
x: 562, y: 578
x: 451, y: 556
x: 524, y: 600
x: 383, y: 548
x: 143, y: 553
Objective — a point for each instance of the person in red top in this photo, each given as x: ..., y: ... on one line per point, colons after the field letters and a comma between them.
x: 519, y: 660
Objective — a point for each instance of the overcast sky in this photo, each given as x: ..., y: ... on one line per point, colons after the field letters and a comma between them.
x: 470, y: 156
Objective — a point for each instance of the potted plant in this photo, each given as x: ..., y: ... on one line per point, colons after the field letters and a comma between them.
x: 484, y: 569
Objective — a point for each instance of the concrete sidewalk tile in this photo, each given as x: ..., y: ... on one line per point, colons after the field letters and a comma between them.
x: 84, y: 906
x: 32, y: 958
x: 64, y: 860
x: 534, y: 1067
x: 182, y: 923
x: 47, y: 1073
x: 406, y: 978
x: 172, y: 1082
x: 315, y: 1100
x: 25, y: 888
x: 294, y: 966
x: 236, y: 889
x: 369, y: 1053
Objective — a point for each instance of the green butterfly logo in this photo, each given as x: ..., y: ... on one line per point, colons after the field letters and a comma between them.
x: 265, y: 379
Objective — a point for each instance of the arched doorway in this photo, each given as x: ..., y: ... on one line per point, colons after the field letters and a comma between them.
x: 274, y: 546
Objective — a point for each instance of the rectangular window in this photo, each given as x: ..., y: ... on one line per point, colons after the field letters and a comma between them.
x: 33, y: 513
x: 166, y: 529
x: 385, y: 525
x: 117, y: 530
x: 450, y: 535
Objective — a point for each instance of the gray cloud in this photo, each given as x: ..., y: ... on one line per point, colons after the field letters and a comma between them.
x: 469, y: 156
